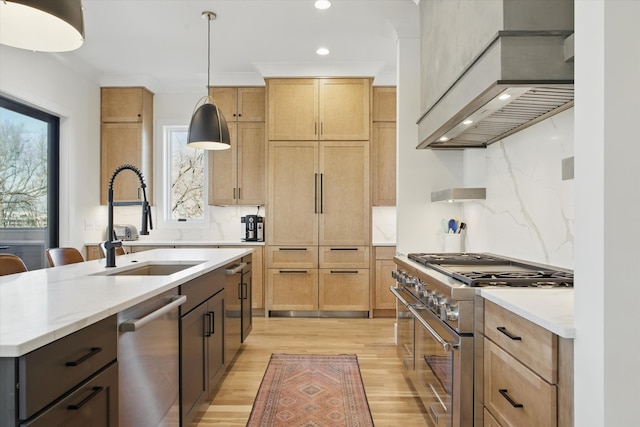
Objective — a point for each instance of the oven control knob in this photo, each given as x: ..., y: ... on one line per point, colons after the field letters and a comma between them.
x: 394, y: 274
x: 434, y: 300
x: 448, y: 312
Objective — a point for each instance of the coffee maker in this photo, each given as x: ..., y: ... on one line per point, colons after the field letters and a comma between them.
x: 252, y: 228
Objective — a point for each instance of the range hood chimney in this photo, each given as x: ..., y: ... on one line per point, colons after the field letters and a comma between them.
x: 520, y: 78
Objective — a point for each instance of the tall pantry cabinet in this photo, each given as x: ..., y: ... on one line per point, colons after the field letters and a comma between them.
x: 318, y: 233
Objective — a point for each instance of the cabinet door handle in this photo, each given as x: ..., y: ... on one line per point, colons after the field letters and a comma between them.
x: 315, y: 128
x: 321, y: 193
x: 505, y: 394
x: 245, y: 289
x: 239, y: 194
x: 234, y: 193
x: 315, y: 193
x: 504, y: 331
x: 344, y: 271
x: 93, y: 352
x: 292, y: 249
x: 212, y: 322
x: 322, y: 128
x: 80, y: 404
x: 344, y: 249
x: 207, y: 324
x: 292, y: 271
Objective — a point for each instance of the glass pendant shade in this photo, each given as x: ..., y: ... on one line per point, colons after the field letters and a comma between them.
x: 208, y: 129
x: 42, y: 25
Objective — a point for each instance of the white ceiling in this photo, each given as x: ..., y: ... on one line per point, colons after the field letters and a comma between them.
x: 163, y: 43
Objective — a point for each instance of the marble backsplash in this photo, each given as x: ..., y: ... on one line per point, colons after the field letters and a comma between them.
x: 529, y: 209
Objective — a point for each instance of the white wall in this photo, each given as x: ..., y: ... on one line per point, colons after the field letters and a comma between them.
x: 607, y: 351
x: 47, y: 82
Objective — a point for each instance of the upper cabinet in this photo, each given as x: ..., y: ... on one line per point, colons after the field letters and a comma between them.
x: 319, y: 109
x: 240, y: 104
x: 383, y: 147
x: 126, y: 137
x: 238, y: 176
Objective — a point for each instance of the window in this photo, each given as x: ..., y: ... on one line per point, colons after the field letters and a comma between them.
x: 185, y: 184
x: 29, y: 141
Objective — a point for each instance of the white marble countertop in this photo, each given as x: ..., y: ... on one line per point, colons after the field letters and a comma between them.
x: 381, y: 243
x: 550, y: 308
x: 41, y: 306
x: 145, y: 242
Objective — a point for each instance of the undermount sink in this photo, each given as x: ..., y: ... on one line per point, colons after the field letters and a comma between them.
x: 150, y: 269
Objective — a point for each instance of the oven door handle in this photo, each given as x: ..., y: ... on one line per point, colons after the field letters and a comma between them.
x: 395, y: 292
x: 446, y: 346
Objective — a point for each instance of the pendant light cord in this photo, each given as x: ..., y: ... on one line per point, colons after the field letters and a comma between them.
x: 208, y: 52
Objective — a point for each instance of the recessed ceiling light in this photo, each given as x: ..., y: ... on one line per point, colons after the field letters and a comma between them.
x: 322, y: 4
x: 322, y: 51
x: 504, y: 96
x: 443, y: 139
x: 467, y: 122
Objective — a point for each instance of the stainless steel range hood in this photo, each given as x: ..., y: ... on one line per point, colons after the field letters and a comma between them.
x: 530, y: 66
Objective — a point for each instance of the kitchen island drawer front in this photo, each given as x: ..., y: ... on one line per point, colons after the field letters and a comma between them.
x: 94, y: 404
x: 52, y: 370
x: 292, y: 257
x: 201, y: 289
x: 514, y: 394
x: 344, y: 289
x: 344, y: 257
x: 531, y: 344
x: 292, y: 289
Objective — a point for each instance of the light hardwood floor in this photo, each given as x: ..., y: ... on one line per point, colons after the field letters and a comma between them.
x: 392, y: 399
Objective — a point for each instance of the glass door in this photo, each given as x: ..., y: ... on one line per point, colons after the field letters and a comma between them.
x: 29, y: 141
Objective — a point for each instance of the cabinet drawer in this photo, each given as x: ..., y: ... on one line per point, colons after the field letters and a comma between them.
x: 48, y: 372
x: 201, y: 289
x: 385, y: 252
x: 292, y: 256
x: 344, y: 257
x: 292, y: 289
x: 95, y: 403
x: 508, y: 383
x: 344, y: 289
x: 531, y: 344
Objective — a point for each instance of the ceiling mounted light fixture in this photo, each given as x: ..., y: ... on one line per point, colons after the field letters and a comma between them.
x: 42, y: 25
x: 208, y: 128
x: 322, y: 51
x: 322, y: 4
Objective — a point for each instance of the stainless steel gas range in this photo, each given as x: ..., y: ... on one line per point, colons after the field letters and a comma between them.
x: 436, y: 320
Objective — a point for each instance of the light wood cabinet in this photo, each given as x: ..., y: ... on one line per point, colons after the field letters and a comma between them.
x: 384, y: 104
x: 240, y: 104
x: 527, y: 372
x: 343, y: 289
x: 126, y: 137
x: 292, y: 289
x: 318, y: 194
x: 383, y: 147
x: 318, y: 109
x: 237, y: 175
x: 384, y: 265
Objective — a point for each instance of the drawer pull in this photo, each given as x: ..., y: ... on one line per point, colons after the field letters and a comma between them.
x: 344, y: 271
x: 293, y: 271
x: 93, y: 352
x: 292, y: 249
x: 505, y: 394
x: 344, y: 249
x: 95, y: 392
x: 504, y: 331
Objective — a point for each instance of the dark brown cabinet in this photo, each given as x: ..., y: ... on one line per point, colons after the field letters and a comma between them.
x: 201, y: 342
x: 72, y: 381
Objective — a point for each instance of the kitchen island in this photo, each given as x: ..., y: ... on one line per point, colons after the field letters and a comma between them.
x: 47, y: 312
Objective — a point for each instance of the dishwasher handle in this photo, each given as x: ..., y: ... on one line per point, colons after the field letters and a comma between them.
x: 236, y: 269
x: 135, y: 324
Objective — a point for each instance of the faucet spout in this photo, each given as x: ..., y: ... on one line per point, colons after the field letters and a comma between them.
x: 112, y: 242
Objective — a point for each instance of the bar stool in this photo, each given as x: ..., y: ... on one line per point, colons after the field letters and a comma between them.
x: 10, y: 264
x: 63, y: 256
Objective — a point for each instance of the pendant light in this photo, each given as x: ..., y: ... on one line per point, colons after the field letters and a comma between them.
x: 208, y: 128
x: 42, y: 25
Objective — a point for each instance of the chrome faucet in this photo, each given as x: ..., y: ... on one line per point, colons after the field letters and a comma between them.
x: 112, y: 243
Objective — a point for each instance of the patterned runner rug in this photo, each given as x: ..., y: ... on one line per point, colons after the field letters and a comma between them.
x: 305, y: 390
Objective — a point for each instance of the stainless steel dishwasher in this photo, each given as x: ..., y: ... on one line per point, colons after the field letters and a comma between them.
x: 148, y: 362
